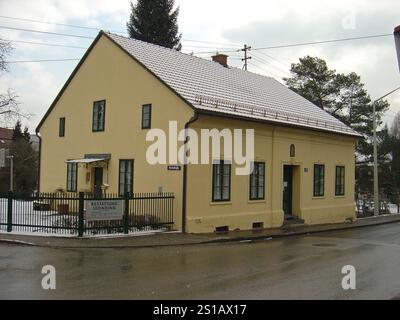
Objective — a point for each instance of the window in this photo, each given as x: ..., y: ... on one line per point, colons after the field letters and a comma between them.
x: 146, y: 116
x: 221, y: 190
x: 125, y: 177
x: 61, y: 128
x: 72, y: 177
x: 339, y: 181
x: 99, y: 111
x: 257, y: 182
x: 319, y: 180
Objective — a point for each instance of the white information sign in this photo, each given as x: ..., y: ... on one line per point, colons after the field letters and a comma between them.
x: 103, y: 209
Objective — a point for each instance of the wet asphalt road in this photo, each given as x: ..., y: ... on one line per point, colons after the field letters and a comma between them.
x: 307, y: 267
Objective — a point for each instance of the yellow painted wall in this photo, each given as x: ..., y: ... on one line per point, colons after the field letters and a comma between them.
x: 272, y: 145
x: 110, y: 74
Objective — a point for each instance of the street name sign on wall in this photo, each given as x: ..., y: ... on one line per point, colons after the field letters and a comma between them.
x: 100, y: 210
x: 174, y: 168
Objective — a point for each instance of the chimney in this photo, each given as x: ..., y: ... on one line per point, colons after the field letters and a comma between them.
x: 222, y: 59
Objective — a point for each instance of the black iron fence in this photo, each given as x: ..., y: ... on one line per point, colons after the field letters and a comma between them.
x: 86, y: 214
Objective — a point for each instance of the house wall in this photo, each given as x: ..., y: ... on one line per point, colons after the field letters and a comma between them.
x: 272, y: 145
x: 110, y: 74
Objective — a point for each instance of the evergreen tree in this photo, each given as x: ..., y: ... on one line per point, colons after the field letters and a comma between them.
x: 155, y: 21
x: 312, y: 79
x: 343, y: 96
x: 25, y: 160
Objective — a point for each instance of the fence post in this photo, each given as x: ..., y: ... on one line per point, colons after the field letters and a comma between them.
x: 80, y: 215
x: 126, y: 214
x: 9, y: 211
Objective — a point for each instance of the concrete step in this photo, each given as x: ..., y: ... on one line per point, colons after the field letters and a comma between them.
x: 292, y: 222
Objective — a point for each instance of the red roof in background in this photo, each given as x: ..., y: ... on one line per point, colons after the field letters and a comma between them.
x: 6, y: 134
x: 397, y: 29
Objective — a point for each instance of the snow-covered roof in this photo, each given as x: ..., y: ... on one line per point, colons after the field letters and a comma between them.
x: 211, y: 87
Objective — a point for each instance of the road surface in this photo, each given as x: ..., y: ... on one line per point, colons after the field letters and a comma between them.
x: 306, y: 267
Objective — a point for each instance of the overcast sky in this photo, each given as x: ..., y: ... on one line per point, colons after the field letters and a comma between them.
x: 226, y: 23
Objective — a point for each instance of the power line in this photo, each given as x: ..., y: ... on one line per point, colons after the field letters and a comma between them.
x: 44, y: 44
x: 266, y: 71
x: 73, y: 35
x: 259, y: 59
x: 47, y: 32
x: 210, y: 42
x: 98, y: 29
x: 325, y: 41
x: 74, y: 47
x: 45, y: 60
x: 281, y: 62
x: 56, y: 24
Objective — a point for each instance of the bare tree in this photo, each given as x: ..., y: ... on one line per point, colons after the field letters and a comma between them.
x: 10, y: 111
x: 5, y: 49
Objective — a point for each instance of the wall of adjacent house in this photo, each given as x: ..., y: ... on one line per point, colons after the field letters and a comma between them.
x: 272, y: 146
x: 110, y: 74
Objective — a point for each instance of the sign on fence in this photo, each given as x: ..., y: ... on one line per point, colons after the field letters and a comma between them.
x: 100, y: 210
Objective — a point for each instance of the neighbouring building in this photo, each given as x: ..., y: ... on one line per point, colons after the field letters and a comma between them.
x: 6, y: 137
x: 93, y: 138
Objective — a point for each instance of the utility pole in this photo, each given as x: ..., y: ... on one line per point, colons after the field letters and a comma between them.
x: 397, y: 42
x: 246, y: 49
x: 11, y: 172
x: 376, y: 175
x: 376, y: 183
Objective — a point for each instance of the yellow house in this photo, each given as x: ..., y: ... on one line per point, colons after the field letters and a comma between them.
x: 93, y: 138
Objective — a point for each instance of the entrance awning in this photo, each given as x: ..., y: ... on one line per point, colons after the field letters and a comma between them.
x: 85, y: 161
x: 88, y: 160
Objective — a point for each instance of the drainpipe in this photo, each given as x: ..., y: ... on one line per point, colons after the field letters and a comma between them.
x: 185, y: 168
x: 39, y: 160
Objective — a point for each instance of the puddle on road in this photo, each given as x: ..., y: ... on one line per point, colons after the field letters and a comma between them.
x: 324, y: 245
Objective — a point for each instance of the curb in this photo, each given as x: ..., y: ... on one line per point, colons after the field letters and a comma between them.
x: 300, y: 233
x: 242, y: 239
x: 18, y: 242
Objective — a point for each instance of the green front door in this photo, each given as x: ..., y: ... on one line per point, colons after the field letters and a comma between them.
x: 98, y: 182
x: 287, y: 190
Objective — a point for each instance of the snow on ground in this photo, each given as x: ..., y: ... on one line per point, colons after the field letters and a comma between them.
x: 23, y: 214
x: 43, y: 222
x: 393, y: 208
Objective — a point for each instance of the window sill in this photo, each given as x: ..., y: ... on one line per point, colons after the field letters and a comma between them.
x: 319, y: 198
x: 340, y: 197
x: 222, y: 203
x: 256, y: 201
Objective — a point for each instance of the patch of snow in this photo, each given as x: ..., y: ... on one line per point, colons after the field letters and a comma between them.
x: 393, y: 208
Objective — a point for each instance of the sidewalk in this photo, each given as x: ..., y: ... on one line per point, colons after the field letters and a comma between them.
x: 178, y: 239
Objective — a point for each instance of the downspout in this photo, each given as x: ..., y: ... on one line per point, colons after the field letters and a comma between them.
x: 185, y: 169
x: 39, y: 160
